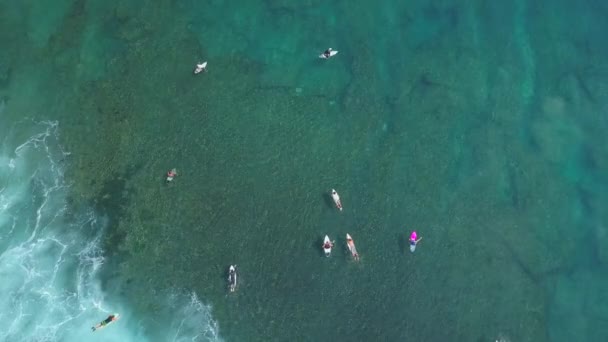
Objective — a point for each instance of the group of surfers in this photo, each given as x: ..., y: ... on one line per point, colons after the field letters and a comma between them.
x: 202, y: 66
x: 327, y: 244
x: 232, y: 275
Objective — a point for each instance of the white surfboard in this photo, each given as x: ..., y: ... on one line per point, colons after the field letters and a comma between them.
x: 336, y: 198
x: 232, y: 278
x: 412, y: 247
x: 351, y: 246
x: 327, y: 250
x: 200, y: 68
x: 331, y: 54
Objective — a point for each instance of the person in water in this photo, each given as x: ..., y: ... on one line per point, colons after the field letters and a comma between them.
x: 414, y: 239
x: 105, y: 322
x: 353, y: 249
x: 327, y: 53
x: 336, y: 199
x: 232, y: 279
x: 328, y: 245
x: 201, y: 67
x: 171, y: 174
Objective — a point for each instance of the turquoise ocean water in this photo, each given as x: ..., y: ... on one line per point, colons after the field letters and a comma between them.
x: 481, y: 125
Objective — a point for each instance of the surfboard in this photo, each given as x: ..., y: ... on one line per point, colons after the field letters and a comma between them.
x: 327, y: 250
x: 200, y: 68
x: 331, y: 54
x: 232, y: 278
x: 336, y: 198
x: 117, y: 316
x: 351, y: 246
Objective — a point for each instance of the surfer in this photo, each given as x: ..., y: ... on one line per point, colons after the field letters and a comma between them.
x: 328, y: 245
x: 232, y: 278
x: 200, y: 68
x: 171, y: 174
x: 336, y: 198
x: 105, y: 322
x: 328, y: 53
x: 414, y: 241
x: 351, y: 247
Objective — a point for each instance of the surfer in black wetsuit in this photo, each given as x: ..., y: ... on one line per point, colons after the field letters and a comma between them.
x: 327, y: 53
x: 201, y: 67
x: 232, y: 278
x: 105, y: 322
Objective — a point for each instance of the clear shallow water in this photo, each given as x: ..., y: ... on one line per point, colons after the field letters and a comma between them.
x: 480, y: 126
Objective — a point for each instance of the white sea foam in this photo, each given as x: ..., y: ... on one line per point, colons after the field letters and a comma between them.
x: 49, y: 261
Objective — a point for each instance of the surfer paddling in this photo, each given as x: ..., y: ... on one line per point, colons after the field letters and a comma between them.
x: 336, y: 198
x: 232, y: 278
x: 105, y: 322
x: 328, y: 53
x: 414, y: 241
x: 351, y: 247
x: 200, y: 68
x: 171, y: 174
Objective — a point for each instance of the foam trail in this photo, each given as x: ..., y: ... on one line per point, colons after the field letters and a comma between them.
x: 49, y: 260
x: 204, y: 328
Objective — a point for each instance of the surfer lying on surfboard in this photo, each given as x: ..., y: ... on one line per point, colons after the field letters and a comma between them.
x: 200, y: 68
x: 351, y: 247
x: 328, y: 53
x: 336, y: 198
x: 327, y: 245
x: 106, y: 321
x: 414, y: 241
x: 232, y: 278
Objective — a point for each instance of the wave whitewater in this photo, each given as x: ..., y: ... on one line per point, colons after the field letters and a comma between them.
x: 51, y: 257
